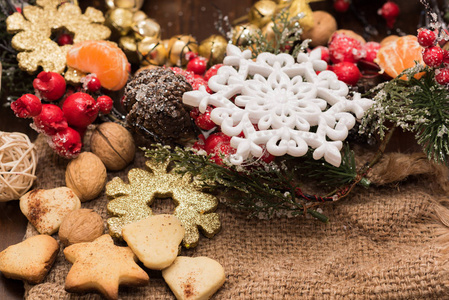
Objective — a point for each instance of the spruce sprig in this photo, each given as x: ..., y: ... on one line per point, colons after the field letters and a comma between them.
x: 264, y: 191
x: 420, y: 106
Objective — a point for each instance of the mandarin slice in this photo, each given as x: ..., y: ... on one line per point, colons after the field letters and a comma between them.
x: 102, y: 58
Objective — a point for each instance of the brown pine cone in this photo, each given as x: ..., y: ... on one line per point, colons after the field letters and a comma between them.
x: 153, y: 100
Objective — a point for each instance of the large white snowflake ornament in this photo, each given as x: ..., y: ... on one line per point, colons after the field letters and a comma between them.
x: 292, y: 106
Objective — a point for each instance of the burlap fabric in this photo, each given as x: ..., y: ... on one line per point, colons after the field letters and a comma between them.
x: 388, y: 243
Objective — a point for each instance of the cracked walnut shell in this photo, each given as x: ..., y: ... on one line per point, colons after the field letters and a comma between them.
x: 113, y: 144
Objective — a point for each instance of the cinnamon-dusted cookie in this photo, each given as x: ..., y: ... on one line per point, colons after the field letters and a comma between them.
x: 29, y: 260
x: 194, y: 278
x: 102, y: 266
x: 155, y: 240
x: 45, y: 209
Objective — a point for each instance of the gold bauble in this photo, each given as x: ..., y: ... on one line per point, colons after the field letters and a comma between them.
x: 129, y: 45
x: 139, y: 16
x: 129, y: 4
x: 177, y: 48
x: 268, y: 32
x: 242, y: 33
x: 262, y: 12
x: 213, y: 49
x: 301, y: 8
x: 119, y: 20
x: 147, y: 28
x: 151, y: 51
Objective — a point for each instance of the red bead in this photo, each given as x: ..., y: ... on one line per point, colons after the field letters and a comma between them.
x: 105, y: 104
x: 341, y: 5
x: 197, y: 65
x: 389, y: 11
x: 49, y: 85
x: 80, y: 110
x: 27, y: 106
x: 50, y: 120
x: 65, y: 39
x: 426, y: 37
x: 433, y: 56
x: 442, y: 76
x: 347, y: 72
x: 93, y: 84
x: 67, y: 143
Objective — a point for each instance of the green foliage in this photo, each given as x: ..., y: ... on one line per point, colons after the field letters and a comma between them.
x: 420, y: 106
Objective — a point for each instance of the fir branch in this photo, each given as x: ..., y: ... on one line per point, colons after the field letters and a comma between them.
x: 264, y: 191
x: 416, y: 105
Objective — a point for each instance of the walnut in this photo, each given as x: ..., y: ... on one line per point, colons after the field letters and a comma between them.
x: 81, y: 225
x: 86, y: 176
x: 114, y: 145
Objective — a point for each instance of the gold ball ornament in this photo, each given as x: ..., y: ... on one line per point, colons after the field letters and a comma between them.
x: 146, y: 28
x: 129, y: 46
x: 268, y: 31
x: 120, y: 21
x: 213, y: 49
x: 33, y: 29
x: 177, y: 48
x: 133, y: 5
x: 151, y: 51
x: 301, y: 10
x: 262, y: 12
x: 241, y: 34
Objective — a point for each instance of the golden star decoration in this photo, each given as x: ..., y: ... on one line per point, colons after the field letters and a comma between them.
x: 100, y: 265
x: 131, y: 202
x: 33, y: 30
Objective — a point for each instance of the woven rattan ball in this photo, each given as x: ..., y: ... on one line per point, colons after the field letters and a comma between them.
x: 18, y: 162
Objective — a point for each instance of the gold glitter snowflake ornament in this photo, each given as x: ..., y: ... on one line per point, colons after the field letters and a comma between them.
x: 34, y: 28
x: 131, y: 202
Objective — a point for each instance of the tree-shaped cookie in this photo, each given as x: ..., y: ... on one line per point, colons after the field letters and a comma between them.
x: 131, y: 202
x: 34, y: 28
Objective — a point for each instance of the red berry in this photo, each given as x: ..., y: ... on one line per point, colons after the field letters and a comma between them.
x: 203, y: 120
x: 105, y: 103
x: 324, y: 53
x: 67, y: 143
x: 50, y: 120
x: 371, y: 49
x: 442, y: 76
x: 344, y: 48
x: 27, y: 106
x: 189, y: 76
x: 341, y: 5
x: 200, y: 82
x: 389, y: 11
x: 197, y: 65
x: 347, y: 72
x: 80, y: 109
x: 65, y: 39
x: 212, y: 71
x: 446, y: 58
x: 191, y: 55
x: 433, y: 56
x: 426, y: 37
x: 199, y: 144
x: 218, y: 144
x: 92, y: 83
x: 49, y: 85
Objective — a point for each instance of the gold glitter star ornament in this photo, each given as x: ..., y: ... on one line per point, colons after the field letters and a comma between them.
x: 34, y: 29
x: 131, y: 202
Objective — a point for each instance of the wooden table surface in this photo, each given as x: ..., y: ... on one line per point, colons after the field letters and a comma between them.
x: 194, y: 17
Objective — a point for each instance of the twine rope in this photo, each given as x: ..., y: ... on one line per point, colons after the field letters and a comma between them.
x: 18, y: 161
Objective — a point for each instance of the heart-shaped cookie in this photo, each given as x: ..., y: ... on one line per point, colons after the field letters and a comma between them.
x: 45, y: 209
x: 155, y: 240
x: 194, y: 278
x: 29, y: 260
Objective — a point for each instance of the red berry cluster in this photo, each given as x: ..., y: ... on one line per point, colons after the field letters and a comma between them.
x: 65, y: 123
x: 344, y: 52
x: 433, y: 55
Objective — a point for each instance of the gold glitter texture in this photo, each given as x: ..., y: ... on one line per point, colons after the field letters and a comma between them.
x: 131, y: 202
x: 34, y: 27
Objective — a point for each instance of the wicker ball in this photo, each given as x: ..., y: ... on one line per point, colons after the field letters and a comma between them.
x: 18, y: 161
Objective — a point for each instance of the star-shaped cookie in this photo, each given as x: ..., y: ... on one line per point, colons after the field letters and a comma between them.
x: 102, y: 266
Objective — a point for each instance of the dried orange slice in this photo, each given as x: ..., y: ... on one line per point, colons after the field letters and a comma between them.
x: 103, y: 58
x: 400, y: 54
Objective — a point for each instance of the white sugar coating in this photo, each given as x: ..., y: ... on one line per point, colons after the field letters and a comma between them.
x: 293, y: 107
